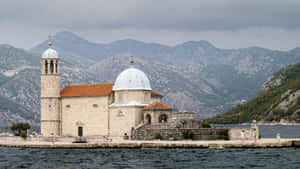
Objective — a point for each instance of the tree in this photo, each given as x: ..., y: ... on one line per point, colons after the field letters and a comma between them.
x: 6, y: 129
x: 18, y: 128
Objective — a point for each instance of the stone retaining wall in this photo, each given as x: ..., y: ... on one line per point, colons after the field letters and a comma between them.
x: 148, y: 133
x: 171, y: 131
x: 50, y: 139
x: 235, y: 133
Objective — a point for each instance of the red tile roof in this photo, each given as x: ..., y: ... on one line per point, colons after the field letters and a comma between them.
x: 158, y: 106
x: 154, y: 93
x: 102, y: 89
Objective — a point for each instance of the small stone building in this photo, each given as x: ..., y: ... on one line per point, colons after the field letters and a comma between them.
x: 107, y: 109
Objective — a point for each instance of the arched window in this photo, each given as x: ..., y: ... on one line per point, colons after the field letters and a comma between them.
x: 148, y: 119
x: 163, y: 118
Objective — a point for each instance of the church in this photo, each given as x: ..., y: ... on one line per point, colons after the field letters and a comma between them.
x: 104, y: 109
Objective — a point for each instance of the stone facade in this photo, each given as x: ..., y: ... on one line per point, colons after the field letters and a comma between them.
x: 170, y: 132
x: 90, y: 113
x: 183, y: 115
x: 235, y: 133
x: 132, y: 96
x: 123, y: 119
x: 50, y: 98
x: 155, y: 99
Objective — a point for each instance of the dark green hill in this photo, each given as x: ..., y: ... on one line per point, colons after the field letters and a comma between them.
x: 278, y: 99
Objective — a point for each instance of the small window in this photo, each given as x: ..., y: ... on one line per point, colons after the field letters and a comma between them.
x: 120, y: 113
x: 146, y: 98
x: 120, y: 98
x: 95, y: 105
x: 68, y: 106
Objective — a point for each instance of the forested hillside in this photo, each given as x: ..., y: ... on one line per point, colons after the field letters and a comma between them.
x: 278, y: 99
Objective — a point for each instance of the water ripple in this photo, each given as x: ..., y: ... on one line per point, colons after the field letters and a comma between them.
x: 288, y: 158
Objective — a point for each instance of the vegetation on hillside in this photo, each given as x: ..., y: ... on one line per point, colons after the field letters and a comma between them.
x: 267, y: 105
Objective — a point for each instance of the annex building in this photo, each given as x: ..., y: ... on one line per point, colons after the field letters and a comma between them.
x: 107, y: 109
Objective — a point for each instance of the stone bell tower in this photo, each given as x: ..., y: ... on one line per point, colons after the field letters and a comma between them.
x: 50, y: 93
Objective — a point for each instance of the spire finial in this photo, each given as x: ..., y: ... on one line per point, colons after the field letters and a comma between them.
x: 131, y: 61
x: 49, y: 40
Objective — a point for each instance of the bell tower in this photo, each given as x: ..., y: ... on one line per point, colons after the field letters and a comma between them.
x: 50, y: 93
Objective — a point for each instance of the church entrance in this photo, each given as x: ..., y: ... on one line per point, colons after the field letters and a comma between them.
x: 80, y: 131
x: 148, y: 119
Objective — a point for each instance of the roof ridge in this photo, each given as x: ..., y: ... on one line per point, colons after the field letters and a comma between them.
x: 98, y: 89
x: 158, y: 106
x: 91, y: 84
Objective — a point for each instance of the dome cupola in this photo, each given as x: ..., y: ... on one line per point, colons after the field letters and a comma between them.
x: 50, y: 53
x: 132, y: 79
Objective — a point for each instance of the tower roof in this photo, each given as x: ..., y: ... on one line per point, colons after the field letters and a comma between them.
x: 50, y: 53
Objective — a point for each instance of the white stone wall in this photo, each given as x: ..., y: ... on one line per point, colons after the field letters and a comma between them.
x: 141, y: 96
x: 122, y: 119
x: 50, y: 85
x: 50, y: 105
x: 83, y: 112
x: 155, y: 99
x: 235, y: 133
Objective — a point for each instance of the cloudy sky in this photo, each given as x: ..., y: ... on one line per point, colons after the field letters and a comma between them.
x: 272, y: 24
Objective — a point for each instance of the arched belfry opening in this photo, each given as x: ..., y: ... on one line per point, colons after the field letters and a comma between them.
x: 163, y: 118
x: 56, y: 71
x: 46, y: 67
x: 51, y: 67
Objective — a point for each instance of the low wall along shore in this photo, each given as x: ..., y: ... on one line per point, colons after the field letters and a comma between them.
x: 101, y: 142
x: 145, y: 138
x: 166, y: 133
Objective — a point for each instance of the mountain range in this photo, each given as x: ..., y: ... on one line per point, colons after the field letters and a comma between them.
x: 193, y: 76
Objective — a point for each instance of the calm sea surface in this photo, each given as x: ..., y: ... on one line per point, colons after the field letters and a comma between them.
x: 280, y: 158
x: 283, y: 158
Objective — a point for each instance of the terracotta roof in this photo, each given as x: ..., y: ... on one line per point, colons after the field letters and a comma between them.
x: 154, y: 93
x: 102, y: 89
x: 158, y: 106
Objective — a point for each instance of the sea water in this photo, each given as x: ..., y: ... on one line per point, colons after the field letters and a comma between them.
x: 271, y: 158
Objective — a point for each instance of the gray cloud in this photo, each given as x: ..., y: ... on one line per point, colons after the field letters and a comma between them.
x: 26, y: 22
x: 192, y: 15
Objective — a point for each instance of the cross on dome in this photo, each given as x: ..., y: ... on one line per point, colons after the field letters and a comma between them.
x: 50, y: 52
x: 131, y: 61
x: 49, y: 40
